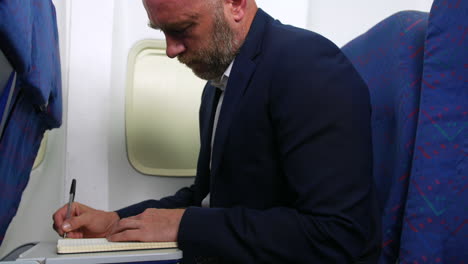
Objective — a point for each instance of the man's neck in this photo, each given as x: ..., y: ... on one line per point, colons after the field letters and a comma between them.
x: 244, y: 29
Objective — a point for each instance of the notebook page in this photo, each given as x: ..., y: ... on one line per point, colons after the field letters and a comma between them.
x: 65, y: 246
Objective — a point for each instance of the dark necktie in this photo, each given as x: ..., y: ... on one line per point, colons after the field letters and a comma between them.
x: 217, y: 96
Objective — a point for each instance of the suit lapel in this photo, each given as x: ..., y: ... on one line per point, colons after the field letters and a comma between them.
x: 241, y: 74
x: 232, y: 97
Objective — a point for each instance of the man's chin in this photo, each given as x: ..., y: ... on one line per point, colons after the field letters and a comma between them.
x: 204, y: 75
x: 201, y: 71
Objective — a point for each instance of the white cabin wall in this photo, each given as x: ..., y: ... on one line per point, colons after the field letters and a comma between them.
x: 88, y: 110
x: 341, y: 20
x: 292, y: 14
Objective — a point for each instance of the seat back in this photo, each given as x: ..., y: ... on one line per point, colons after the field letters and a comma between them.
x: 35, y: 99
x: 389, y: 58
x: 435, y: 229
x: 419, y: 91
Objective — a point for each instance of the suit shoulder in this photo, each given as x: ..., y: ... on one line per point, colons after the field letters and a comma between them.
x: 307, y: 61
x: 287, y: 40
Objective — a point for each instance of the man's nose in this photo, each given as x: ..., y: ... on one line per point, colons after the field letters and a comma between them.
x: 174, y: 47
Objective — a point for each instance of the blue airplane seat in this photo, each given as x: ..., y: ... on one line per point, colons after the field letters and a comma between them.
x: 389, y: 58
x: 29, y: 41
x: 415, y: 65
x: 435, y: 228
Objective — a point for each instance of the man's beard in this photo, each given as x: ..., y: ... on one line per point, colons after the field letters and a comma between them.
x: 211, y: 62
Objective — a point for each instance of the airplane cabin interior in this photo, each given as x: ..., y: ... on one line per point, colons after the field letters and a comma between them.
x: 88, y: 93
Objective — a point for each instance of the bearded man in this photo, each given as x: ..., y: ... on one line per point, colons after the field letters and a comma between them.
x: 284, y: 171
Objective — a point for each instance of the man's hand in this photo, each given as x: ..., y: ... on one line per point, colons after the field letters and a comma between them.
x: 153, y: 225
x: 85, y: 222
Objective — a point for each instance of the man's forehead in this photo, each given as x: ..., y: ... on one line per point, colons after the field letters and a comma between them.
x: 161, y: 4
x: 172, y: 11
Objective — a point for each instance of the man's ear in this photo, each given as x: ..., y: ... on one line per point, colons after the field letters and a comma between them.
x: 237, y: 9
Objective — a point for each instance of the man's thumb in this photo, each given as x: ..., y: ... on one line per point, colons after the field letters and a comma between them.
x: 75, y: 223
x: 66, y: 226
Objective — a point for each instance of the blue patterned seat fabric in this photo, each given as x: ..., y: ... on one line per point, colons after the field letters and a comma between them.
x: 416, y: 67
x: 435, y: 228
x: 389, y: 58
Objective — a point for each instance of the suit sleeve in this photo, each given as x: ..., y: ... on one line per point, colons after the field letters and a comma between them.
x: 321, y: 114
x: 182, y: 199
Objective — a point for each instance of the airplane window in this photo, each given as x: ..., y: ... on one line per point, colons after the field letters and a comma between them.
x: 161, y: 113
x: 41, y: 152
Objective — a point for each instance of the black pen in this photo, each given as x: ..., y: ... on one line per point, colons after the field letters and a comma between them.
x: 70, y: 202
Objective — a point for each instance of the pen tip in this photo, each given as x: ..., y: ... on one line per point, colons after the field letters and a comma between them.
x: 73, y: 186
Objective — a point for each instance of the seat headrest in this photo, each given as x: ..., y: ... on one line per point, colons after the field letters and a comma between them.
x: 29, y: 39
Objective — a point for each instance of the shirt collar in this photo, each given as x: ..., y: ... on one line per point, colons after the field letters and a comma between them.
x: 221, y: 83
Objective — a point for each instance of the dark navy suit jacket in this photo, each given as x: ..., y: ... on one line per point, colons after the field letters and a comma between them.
x: 291, y: 169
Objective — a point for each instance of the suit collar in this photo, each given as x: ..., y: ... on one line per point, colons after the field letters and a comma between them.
x: 253, y: 42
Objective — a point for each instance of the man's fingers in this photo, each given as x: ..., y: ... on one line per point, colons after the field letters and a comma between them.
x: 59, y: 216
x: 77, y: 222
x: 57, y: 229
x: 126, y: 224
x: 75, y: 234
x: 127, y: 236
x: 135, y: 217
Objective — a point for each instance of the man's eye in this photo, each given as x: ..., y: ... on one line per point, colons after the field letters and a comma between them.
x: 181, y: 31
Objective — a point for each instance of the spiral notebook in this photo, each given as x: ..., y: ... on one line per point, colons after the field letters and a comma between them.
x: 86, y: 245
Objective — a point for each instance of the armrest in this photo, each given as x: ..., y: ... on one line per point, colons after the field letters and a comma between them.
x: 13, y: 255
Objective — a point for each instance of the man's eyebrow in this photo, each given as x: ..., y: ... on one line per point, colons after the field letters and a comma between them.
x: 191, y: 18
